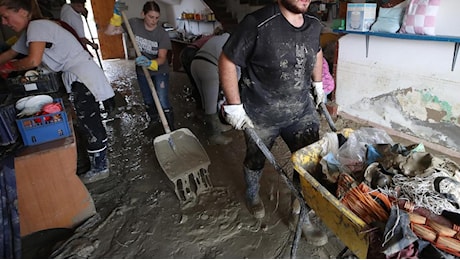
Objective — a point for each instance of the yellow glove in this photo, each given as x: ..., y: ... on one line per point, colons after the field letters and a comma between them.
x: 116, y: 20
x: 145, y: 62
x: 153, y: 65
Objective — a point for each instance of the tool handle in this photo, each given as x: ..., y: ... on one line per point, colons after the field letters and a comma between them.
x: 92, y: 40
x: 147, y: 75
x: 297, y: 193
x: 328, y: 117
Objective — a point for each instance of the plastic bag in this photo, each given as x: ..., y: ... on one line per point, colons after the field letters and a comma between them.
x: 352, y: 154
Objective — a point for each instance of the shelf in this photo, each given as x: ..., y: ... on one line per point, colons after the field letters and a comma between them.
x: 406, y: 36
x: 198, y: 21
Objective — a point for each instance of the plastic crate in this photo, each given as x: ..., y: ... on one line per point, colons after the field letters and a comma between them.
x: 44, y: 128
x: 8, y: 129
x: 42, y: 84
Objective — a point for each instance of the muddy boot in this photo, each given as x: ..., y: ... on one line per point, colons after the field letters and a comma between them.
x: 99, y: 167
x: 214, y: 130
x: 253, y: 201
x: 169, y: 117
x: 110, y: 108
x: 154, y: 126
x: 314, y: 235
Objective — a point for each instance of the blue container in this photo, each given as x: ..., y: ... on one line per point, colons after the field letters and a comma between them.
x: 44, y: 128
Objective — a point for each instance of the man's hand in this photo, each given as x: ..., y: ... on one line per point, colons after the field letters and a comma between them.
x: 116, y: 19
x: 94, y: 46
x: 237, y: 117
x: 145, y: 62
x: 84, y: 12
x: 320, y: 97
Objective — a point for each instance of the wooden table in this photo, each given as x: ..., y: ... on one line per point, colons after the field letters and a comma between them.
x: 50, y: 194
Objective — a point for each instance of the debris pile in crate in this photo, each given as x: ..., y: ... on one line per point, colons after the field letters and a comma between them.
x: 41, y: 119
x: 411, y: 196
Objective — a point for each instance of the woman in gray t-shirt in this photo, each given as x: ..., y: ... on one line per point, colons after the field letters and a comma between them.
x: 46, y: 42
x: 154, y: 43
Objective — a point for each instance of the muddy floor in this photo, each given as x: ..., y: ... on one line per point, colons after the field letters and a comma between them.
x: 139, y: 214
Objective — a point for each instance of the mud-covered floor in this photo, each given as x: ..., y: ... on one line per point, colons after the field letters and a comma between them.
x: 139, y: 215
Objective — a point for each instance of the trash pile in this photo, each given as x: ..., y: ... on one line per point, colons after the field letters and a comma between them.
x: 411, y: 197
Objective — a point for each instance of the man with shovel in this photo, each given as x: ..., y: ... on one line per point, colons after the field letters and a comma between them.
x: 278, y: 50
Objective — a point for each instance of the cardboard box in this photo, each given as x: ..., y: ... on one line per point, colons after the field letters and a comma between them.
x: 360, y: 16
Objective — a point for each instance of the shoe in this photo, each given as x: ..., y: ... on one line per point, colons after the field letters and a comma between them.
x: 153, y: 129
x: 99, y: 167
x: 313, y: 235
x: 214, y: 130
x: 93, y: 176
x: 256, y: 207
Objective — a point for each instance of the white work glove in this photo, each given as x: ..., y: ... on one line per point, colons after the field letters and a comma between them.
x: 237, y: 117
x: 318, y: 90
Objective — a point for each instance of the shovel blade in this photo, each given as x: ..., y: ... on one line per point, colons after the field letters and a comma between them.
x: 185, y: 162
x: 180, y: 152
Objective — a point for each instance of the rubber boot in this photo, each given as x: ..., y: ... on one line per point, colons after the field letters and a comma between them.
x: 154, y: 123
x: 169, y: 117
x: 253, y: 201
x: 99, y: 167
x: 314, y: 235
x: 214, y: 130
x: 110, y: 108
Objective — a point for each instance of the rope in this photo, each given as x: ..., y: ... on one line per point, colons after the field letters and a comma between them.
x: 389, y: 235
x: 420, y: 191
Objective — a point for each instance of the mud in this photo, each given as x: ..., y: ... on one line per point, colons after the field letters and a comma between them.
x: 139, y: 215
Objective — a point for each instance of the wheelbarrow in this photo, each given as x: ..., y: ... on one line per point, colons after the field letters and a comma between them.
x: 348, y: 227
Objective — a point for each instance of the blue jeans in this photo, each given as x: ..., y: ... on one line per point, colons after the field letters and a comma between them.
x: 161, y: 82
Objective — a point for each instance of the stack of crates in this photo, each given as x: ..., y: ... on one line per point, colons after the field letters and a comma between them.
x: 37, y: 129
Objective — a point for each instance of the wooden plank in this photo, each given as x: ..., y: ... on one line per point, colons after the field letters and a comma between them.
x: 50, y: 194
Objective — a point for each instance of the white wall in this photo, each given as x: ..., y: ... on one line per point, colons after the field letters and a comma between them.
x: 404, y: 85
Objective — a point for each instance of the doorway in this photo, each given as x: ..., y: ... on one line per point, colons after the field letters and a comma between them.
x: 99, y: 14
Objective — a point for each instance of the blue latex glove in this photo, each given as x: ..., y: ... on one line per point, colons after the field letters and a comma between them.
x: 143, y: 61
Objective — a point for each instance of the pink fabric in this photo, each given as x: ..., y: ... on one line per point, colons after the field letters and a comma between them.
x: 328, y: 80
x: 420, y: 17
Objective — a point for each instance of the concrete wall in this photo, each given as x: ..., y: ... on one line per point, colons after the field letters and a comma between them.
x: 405, y: 86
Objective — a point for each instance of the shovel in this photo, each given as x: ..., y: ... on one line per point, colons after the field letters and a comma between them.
x: 179, y: 152
x: 328, y: 117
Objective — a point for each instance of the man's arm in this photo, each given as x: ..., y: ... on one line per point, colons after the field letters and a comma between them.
x: 229, y: 80
x: 317, y: 74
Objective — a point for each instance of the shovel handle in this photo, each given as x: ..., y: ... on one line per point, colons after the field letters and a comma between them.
x: 92, y: 40
x: 328, y: 117
x: 297, y: 193
x: 147, y: 75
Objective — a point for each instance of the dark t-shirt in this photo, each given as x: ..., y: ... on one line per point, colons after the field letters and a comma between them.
x: 277, y: 60
x: 150, y: 42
